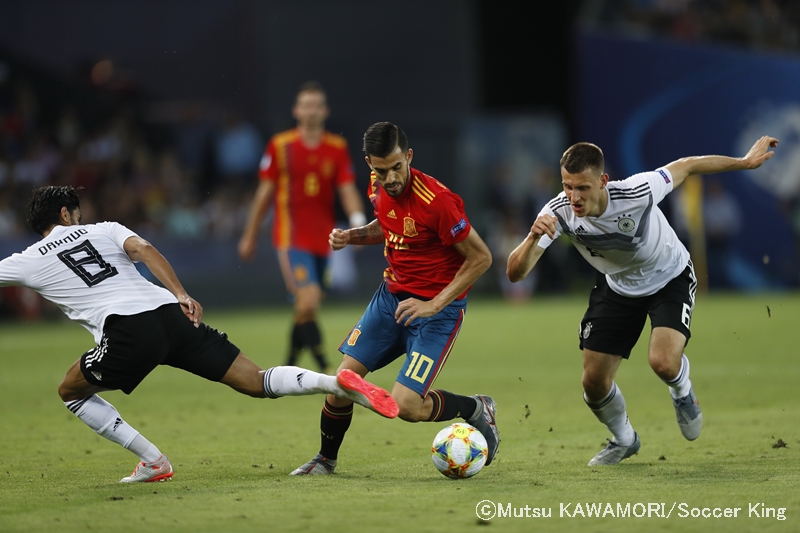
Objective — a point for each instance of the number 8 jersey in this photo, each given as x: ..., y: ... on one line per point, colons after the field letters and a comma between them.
x: 85, y: 271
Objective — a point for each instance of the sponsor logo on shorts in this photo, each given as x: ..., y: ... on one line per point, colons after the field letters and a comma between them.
x: 97, y: 375
x: 587, y: 330
x: 353, y: 337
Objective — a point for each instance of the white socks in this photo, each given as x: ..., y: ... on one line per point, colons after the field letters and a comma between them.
x: 296, y: 381
x: 611, y: 412
x: 681, y: 385
x: 104, y: 419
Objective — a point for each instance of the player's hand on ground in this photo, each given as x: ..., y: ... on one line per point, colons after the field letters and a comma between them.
x: 545, y: 225
x: 247, y: 248
x: 411, y: 308
x: 760, y: 152
x: 192, y: 309
x: 338, y: 239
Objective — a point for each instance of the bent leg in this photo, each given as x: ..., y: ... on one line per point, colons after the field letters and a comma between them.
x: 672, y: 366
x: 74, y: 386
x: 413, y: 407
x: 603, y: 396
x: 79, y: 396
x: 665, y: 352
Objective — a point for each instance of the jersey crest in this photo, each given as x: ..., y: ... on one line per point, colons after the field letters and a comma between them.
x: 409, y: 227
x: 626, y: 224
x: 327, y: 168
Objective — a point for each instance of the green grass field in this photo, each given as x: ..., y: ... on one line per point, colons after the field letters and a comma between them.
x: 232, y: 454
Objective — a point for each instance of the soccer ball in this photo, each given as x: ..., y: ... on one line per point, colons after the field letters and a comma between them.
x: 459, y: 451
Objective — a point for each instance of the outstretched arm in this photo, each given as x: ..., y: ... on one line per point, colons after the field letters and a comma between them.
x: 711, y: 164
x: 261, y: 200
x: 139, y: 249
x: 525, y: 256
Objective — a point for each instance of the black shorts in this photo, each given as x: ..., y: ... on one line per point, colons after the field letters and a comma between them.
x: 613, y: 323
x: 132, y: 346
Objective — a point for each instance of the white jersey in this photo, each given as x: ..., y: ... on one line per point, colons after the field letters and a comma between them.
x: 631, y: 242
x: 85, y: 271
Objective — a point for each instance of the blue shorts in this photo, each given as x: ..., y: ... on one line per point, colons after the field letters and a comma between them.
x: 306, y: 268
x: 377, y: 340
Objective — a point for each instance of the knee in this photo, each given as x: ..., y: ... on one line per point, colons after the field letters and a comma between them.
x: 665, y: 365
x: 305, y: 310
x: 306, y: 303
x: 64, y: 394
x: 67, y: 394
x: 596, y: 386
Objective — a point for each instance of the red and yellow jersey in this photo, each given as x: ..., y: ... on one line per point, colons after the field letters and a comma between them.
x: 420, y: 227
x: 306, y: 180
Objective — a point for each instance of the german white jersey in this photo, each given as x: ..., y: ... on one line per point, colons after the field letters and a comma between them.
x: 85, y: 271
x: 631, y: 242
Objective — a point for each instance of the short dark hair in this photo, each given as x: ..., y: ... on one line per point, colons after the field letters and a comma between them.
x: 382, y: 138
x: 581, y: 156
x: 44, y: 208
x: 311, y: 86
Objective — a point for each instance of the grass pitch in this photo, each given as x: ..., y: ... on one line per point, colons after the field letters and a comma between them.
x: 232, y: 454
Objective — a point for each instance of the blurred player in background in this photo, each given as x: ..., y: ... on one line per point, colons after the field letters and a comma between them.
x: 434, y: 257
x: 643, y: 270
x: 301, y: 170
x: 88, y: 271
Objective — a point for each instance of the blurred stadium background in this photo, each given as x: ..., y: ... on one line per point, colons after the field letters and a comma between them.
x: 161, y: 110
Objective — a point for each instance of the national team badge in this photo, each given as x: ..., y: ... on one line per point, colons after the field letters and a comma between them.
x: 353, y: 337
x: 586, y: 331
x: 326, y: 168
x: 626, y: 224
x: 409, y: 227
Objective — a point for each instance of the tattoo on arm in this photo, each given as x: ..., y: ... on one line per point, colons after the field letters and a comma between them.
x: 369, y: 234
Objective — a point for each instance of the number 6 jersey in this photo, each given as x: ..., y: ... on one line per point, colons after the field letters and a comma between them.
x: 85, y: 271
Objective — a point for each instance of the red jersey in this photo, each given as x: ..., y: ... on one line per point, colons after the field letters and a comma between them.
x: 420, y: 227
x: 306, y: 180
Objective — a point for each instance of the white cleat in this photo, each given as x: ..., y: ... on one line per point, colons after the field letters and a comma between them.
x: 160, y: 470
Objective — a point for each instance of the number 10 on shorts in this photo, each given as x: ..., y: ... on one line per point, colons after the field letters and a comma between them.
x: 420, y: 367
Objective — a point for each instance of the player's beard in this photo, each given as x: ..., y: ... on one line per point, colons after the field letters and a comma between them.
x: 402, y: 186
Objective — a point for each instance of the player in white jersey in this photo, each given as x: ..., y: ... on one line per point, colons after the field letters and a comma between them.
x: 88, y: 271
x: 643, y: 270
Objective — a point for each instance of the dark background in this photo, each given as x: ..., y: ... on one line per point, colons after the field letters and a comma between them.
x: 421, y: 64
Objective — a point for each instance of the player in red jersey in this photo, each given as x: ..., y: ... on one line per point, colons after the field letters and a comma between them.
x: 301, y: 171
x: 434, y: 257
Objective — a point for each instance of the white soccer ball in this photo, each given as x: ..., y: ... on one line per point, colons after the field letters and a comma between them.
x: 459, y: 451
